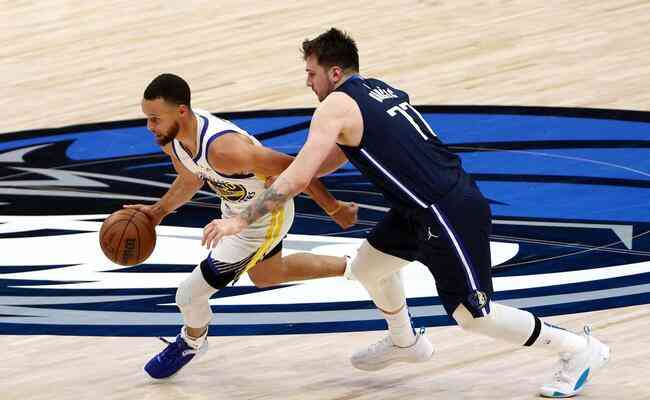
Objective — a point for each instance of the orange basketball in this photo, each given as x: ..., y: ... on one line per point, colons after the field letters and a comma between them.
x: 127, y: 237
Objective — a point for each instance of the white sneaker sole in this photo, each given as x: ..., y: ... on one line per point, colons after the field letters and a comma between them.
x: 394, y: 360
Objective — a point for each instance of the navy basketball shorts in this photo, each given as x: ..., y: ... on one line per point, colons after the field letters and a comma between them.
x: 451, y: 238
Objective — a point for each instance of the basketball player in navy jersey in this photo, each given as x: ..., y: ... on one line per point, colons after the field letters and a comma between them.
x: 438, y: 216
x: 206, y: 149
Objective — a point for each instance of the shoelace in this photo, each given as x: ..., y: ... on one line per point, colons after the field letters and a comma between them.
x: 374, y: 348
x: 567, y: 360
x: 175, y: 347
x: 165, y: 340
x: 386, y: 341
x: 564, y: 365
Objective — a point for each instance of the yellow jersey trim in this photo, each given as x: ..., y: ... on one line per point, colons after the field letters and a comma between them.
x: 272, y: 234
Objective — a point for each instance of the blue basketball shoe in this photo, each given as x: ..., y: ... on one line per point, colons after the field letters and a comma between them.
x: 174, y: 357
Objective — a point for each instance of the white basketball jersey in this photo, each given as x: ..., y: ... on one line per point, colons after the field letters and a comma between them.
x: 236, y: 191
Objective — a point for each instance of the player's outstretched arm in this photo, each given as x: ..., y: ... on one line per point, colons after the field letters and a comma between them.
x: 234, y: 153
x: 325, y: 127
x: 342, y: 212
x: 334, y: 160
x: 180, y: 192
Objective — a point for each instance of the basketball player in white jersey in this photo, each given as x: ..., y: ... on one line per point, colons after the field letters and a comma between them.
x: 204, y: 148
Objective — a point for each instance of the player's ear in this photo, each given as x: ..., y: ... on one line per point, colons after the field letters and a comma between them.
x: 335, y: 73
x: 183, y: 109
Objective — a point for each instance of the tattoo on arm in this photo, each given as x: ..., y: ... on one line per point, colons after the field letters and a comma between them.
x: 268, y: 201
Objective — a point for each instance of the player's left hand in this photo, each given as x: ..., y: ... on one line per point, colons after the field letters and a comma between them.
x: 214, y: 231
x: 346, y: 215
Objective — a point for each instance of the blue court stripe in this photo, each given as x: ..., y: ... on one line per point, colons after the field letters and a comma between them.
x: 152, y: 165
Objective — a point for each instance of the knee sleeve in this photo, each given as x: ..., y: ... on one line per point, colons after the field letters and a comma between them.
x: 371, y: 265
x: 505, y: 323
x: 388, y: 294
x: 379, y: 274
x: 192, y: 298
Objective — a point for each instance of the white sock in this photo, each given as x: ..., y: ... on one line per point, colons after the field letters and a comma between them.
x: 520, y: 327
x: 347, y: 274
x: 193, y: 342
x: 559, y: 340
x: 400, y: 329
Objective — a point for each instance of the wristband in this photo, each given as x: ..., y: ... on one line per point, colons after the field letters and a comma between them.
x: 338, y: 208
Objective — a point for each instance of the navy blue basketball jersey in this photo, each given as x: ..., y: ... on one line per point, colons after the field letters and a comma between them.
x: 399, y: 152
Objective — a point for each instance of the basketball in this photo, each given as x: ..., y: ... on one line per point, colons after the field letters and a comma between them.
x: 127, y: 237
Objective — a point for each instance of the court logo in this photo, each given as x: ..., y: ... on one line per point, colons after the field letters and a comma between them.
x: 568, y: 190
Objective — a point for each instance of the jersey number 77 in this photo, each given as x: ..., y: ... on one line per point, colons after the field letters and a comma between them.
x: 414, y: 118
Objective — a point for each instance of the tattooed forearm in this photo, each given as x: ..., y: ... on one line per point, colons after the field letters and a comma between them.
x: 270, y: 200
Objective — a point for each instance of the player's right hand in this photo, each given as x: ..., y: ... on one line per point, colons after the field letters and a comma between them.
x: 346, y: 216
x: 153, y: 211
x: 216, y: 229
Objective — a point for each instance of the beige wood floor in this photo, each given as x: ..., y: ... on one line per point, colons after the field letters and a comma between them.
x: 70, y: 62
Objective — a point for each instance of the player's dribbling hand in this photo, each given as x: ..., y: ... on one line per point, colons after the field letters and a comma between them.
x: 346, y: 216
x: 153, y: 211
x: 218, y: 228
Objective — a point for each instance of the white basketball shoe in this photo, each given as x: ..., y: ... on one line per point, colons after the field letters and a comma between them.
x: 577, y: 368
x: 383, y: 353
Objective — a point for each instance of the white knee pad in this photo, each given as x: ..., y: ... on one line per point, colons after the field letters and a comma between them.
x: 505, y: 323
x: 379, y: 273
x: 192, y: 298
x: 371, y: 265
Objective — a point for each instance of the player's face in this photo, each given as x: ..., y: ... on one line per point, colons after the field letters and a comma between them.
x: 319, y: 78
x: 162, y: 119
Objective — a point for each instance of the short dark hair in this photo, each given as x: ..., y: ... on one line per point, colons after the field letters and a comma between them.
x: 171, y: 88
x: 333, y: 47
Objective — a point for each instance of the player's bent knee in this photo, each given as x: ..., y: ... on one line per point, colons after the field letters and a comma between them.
x: 193, y: 289
x: 269, y: 273
x: 371, y: 265
x: 488, y: 325
x: 183, y: 294
x: 262, y: 281
x: 466, y: 320
x: 495, y: 323
x: 215, y: 278
x: 503, y: 322
x: 192, y: 299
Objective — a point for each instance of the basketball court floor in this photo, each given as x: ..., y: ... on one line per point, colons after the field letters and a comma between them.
x: 545, y: 102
